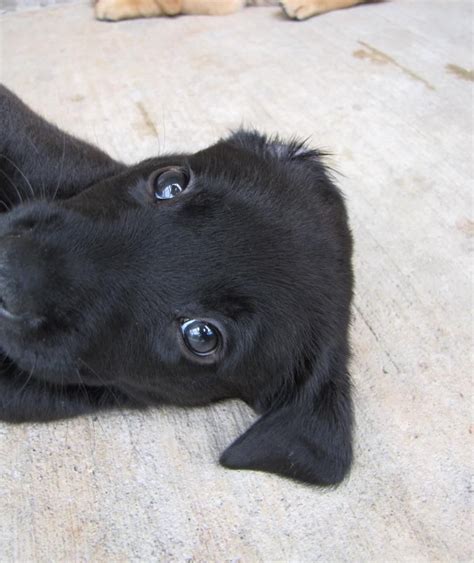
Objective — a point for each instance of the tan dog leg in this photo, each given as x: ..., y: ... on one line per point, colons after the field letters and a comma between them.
x: 302, y: 9
x: 126, y: 9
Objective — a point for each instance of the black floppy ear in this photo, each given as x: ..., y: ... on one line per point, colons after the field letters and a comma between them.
x: 39, y: 161
x: 274, y: 147
x: 307, y: 439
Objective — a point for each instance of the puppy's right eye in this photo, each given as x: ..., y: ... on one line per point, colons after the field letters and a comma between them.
x: 168, y: 183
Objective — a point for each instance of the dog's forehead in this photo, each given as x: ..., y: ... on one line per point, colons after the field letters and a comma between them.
x: 230, y: 161
x: 241, y: 227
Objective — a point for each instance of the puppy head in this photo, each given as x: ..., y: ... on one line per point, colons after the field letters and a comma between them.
x: 193, y: 278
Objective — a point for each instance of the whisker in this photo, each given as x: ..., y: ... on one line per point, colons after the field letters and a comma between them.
x: 61, y: 169
x: 83, y: 387
x: 4, y: 205
x: 9, y: 201
x: 20, y: 171
x: 33, y: 144
x: 13, y: 184
x: 35, y: 147
x: 22, y: 388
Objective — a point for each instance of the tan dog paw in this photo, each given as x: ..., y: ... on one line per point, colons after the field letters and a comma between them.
x: 114, y: 10
x: 303, y: 9
x: 300, y: 9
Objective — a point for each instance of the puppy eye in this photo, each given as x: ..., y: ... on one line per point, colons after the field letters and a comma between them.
x: 168, y: 183
x: 201, y: 337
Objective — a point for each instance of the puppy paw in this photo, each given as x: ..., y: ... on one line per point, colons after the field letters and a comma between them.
x: 302, y: 9
x: 115, y: 10
x: 111, y: 10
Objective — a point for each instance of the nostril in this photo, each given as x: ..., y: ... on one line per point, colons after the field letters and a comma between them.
x: 5, y: 313
x: 23, y: 278
x: 10, y: 303
x: 33, y: 322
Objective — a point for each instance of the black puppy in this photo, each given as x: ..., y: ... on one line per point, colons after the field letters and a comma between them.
x: 184, y: 279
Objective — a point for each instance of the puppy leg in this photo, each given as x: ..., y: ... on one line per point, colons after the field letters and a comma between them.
x: 303, y: 9
x: 39, y: 161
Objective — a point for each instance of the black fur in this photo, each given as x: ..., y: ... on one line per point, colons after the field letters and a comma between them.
x: 99, y: 276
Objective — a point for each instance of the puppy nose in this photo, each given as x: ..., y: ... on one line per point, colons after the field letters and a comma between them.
x: 10, y: 308
x: 20, y: 277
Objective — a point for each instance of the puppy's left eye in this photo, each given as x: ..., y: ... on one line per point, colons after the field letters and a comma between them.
x: 201, y: 337
x: 168, y: 183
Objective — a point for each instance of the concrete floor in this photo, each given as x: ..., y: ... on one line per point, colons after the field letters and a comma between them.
x: 387, y: 88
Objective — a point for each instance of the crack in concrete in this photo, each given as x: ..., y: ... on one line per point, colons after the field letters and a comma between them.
x: 379, y: 57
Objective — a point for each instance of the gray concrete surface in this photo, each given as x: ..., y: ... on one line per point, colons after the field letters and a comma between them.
x: 387, y: 88
x: 19, y: 5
